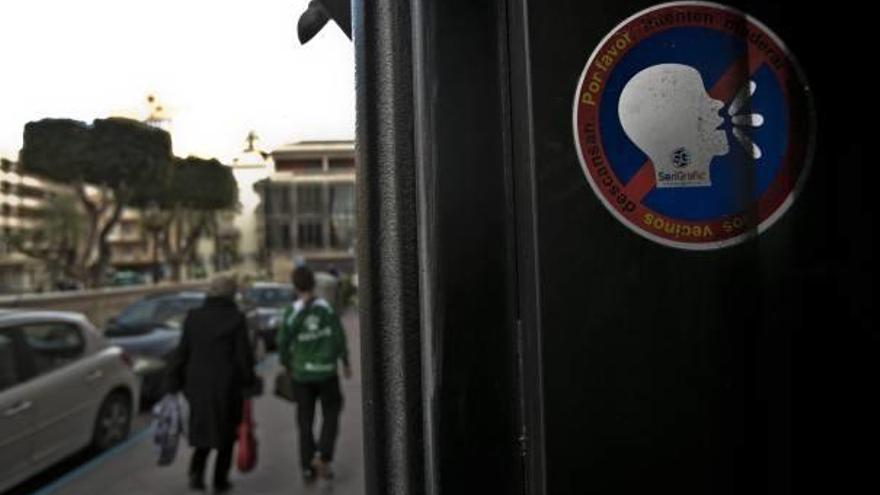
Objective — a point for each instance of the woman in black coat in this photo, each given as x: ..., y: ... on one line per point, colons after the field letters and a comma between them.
x: 213, y: 367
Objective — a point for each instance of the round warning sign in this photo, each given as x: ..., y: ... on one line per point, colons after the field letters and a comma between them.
x: 694, y: 125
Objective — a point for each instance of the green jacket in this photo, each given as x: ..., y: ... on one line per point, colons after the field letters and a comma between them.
x: 311, y: 341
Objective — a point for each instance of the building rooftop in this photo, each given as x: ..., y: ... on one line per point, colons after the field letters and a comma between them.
x: 305, y: 148
x: 326, y: 141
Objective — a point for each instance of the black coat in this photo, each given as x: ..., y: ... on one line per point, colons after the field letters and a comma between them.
x: 213, y: 366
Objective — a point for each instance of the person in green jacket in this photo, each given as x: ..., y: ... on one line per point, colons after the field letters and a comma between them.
x: 311, y: 343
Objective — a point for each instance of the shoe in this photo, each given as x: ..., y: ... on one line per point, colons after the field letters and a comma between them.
x: 196, y: 484
x: 309, y: 476
x: 322, y: 468
x: 222, y: 487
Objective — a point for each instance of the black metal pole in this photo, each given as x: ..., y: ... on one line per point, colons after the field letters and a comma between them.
x: 387, y: 254
x: 444, y: 343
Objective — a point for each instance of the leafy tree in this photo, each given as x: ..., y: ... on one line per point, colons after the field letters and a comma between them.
x: 196, y: 191
x: 56, y: 239
x: 125, y: 160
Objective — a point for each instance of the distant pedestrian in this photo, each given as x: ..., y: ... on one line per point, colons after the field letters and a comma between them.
x: 213, y: 367
x: 311, y: 344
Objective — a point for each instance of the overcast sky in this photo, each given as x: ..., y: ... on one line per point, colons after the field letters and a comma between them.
x: 220, y: 67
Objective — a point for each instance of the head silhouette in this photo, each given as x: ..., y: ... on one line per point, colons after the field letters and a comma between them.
x: 667, y: 113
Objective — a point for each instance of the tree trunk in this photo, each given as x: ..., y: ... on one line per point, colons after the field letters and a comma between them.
x: 155, y: 268
x: 180, y: 247
x: 171, y: 244
x: 93, y: 212
x: 104, y: 253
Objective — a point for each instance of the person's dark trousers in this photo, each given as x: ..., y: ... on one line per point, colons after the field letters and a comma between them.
x: 221, y: 464
x: 307, y: 395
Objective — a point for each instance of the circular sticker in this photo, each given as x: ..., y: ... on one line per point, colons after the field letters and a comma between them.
x: 694, y: 125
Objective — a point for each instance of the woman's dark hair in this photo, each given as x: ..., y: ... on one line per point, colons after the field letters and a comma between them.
x: 303, y: 279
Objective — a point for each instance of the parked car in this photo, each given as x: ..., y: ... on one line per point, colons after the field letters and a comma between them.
x: 127, y: 278
x: 149, y: 330
x: 264, y: 304
x: 66, y: 284
x: 63, y: 387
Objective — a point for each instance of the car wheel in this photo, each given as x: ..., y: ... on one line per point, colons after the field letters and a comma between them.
x: 113, y: 423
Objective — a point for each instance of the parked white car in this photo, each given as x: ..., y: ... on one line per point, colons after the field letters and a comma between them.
x: 63, y: 388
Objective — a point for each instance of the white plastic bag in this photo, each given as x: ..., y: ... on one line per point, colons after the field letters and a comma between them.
x: 168, y: 421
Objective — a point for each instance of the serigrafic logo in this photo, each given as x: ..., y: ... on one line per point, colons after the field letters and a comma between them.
x: 681, y: 157
x: 694, y: 125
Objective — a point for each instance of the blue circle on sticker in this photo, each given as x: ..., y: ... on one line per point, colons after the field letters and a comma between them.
x: 737, y: 179
x: 694, y: 125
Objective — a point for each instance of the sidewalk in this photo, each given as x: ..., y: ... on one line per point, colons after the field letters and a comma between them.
x: 132, y: 470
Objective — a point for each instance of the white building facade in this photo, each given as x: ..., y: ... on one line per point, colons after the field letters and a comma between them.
x: 307, y: 211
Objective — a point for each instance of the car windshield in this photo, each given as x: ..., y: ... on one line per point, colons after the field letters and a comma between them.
x: 164, y: 311
x: 269, y: 296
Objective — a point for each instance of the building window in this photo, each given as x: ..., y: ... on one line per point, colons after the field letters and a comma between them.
x: 284, y: 236
x: 310, y: 233
x: 342, y: 215
x: 278, y: 235
x: 309, y: 199
x: 300, y: 166
x: 341, y: 163
x: 30, y: 213
x: 267, y: 200
x: 31, y: 192
x: 284, y: 196
x: 309, y: 216
x: 270, y: 238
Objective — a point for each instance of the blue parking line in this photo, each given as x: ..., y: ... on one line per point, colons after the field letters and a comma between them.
x: 266, y: 361
x: 85, y: 468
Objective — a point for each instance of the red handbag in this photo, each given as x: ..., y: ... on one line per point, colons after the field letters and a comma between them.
x: 246, y: 460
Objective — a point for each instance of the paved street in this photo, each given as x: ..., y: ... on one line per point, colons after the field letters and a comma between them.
x: 131, y: 468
